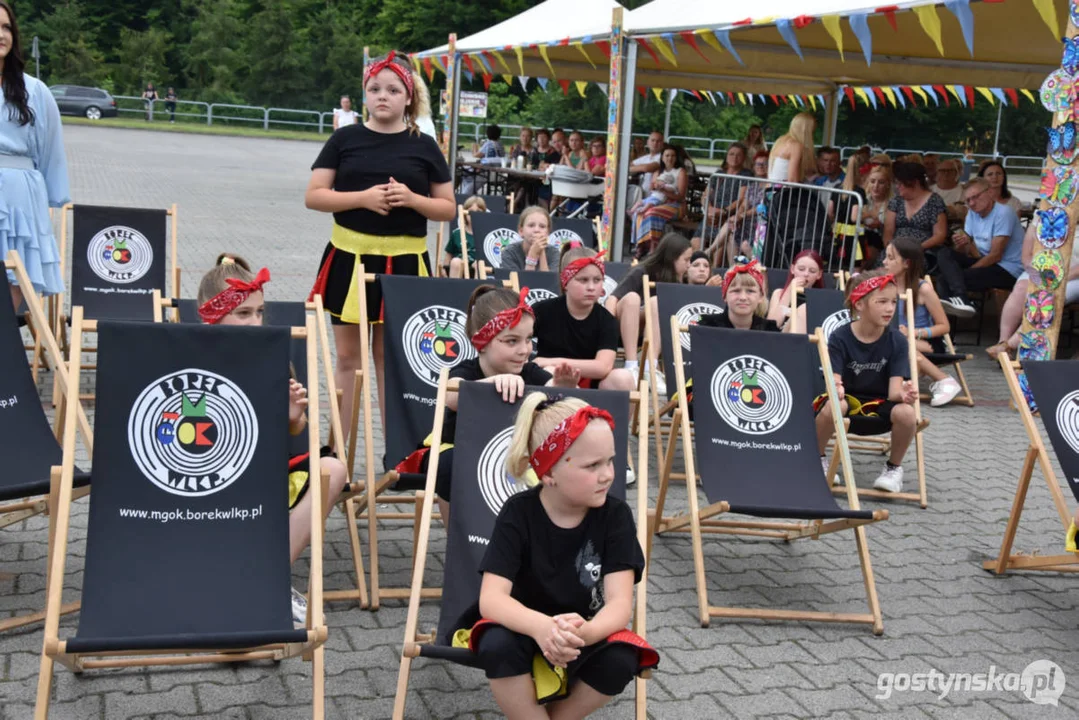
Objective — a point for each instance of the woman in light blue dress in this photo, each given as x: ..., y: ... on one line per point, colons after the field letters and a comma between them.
x: 33, y: 168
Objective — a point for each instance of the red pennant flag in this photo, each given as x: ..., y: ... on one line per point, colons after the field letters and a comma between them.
x: 486, y: 81
x: 970, y: 95
x: 889, y: 12
x: 468, y: 63
x: 490, y: 58
x: 446, y: 62
x: 730, y: 96
x: 909, y: 93
x: 604, y: 47
x: 747, y: 21
x: 565, y: 86
x: 644, y: 43
x: 691, y: 40
x: 564, y: 42
x: 1012, y: 95
x: 642, y: 91
x: 943, y: 93
x: 774, y: 99
x: 427, y: 66
x: 696, y: 95
x: 880, y: 96
x: 849, y: 92
x: 801, y: 21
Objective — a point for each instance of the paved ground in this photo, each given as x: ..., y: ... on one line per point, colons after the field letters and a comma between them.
x: 941, y: 611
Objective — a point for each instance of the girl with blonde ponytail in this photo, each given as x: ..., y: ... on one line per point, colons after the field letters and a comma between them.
x: 559, y: 571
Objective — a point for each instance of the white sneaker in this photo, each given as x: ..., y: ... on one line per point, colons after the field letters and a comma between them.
x: 958, y: 306
x: 299, y: 609
x: 837, y: 479
x: 890, y: 479
x: 944, y: 391
x: 661, y: 381
x: 631, y: 477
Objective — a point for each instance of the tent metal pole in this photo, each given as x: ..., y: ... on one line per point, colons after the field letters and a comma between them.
x: 629, y: 88
x: 831, y: 116
x: 454, y: 101
x: 996, y: 134
x: 667, y: 115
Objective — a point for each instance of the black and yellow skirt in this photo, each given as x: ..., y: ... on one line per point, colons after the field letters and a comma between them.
x: 338, y: 284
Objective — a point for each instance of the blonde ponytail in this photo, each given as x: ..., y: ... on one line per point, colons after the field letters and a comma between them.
x: 532, y: 427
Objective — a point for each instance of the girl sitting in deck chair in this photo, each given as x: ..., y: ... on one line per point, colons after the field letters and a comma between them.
x: 500, y: 325
x: 230, y: 295
x: 872, y: 370
x: 558, y: 575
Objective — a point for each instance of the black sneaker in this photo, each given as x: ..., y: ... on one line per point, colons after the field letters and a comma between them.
x: 957, y: 306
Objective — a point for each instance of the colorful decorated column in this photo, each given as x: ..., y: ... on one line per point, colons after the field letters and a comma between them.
x: 1056, y: 220
x: 449, y: 132
x: 363, y: 90
x: 614, y: 125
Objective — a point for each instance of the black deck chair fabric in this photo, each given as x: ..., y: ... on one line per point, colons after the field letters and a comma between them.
x: 493, y: 231
x: 29, y: 446
x: 481, y: 485
x: 187, y: 541
x: 495, y: 204
x: 580, y: 229
x: 756, y: 441
x: 1055, y: 385
x: 613, y: 272
x: 687, y: 303
x: 541, y: 285
x: 118, y: 260
x: 425, y: 332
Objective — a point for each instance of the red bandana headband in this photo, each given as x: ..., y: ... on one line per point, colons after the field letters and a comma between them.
x: 232, y: 297
x: 565, y: 434
x: 577, y: 266
x: 751, y: 268
x: 388, y: 64
x: 867, y: 286
x: 508, y: 318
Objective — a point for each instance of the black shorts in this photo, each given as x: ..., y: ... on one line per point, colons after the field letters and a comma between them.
x: 336, y: 273
x: 299, y: 474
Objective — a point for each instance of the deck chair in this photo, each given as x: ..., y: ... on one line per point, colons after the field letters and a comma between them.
x: 29, y: 444
x: 868, y: 438
x: 564, y: 229
x: 955, y: 360
x: 1053, y: 384
x: 187, y: 543
x: 495, y: 203
x: 613, y: 272
x: 493, y: 231
x: 753, y: 409
x: 481, y: 486
x: 541, y: 285
x: 425, y: 332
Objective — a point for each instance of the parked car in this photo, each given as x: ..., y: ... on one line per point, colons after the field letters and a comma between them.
x: 93, y: 103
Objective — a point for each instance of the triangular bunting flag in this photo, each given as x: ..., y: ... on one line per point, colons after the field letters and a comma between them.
x: 523, y: 79
x: 508, y: 79
x: 581, y: 85
x: 468, y: 64
x: 605, y: 48
x: 543, y: 82
x: 1012, y: 95
x: 865, y: 97
x: 691, y: 40
x: 415, y: 63
x: 813, y: 102
x: 603, y: 87
x: 1028, y: 95
x: 724, y: 38
x: 730, y: 96
x: 888, y: 12
x: 667, y: 52
x: 909, y: 93
x: 427, y: 68
x: 848, y: 91
x: 543, y: 53
x: 879, y: 93
x: 565, y: 86
x: 711, y: 95
x: 986, y: 94
x: 924, y: 91
x: 486, y: 64
x: 999, y: 95
x: 831, y: 24
x: 658, y: 92
x: 440, y: 62
x: 642, y: 91
x: 930, y: 21
x: 774, y: 99
x: 943, y: 93
x: 820, y: 99
x: 469, y: 76
x: 749, y: 96
x: 502, y: 61
x: 860, y: 25
x: 786, y: 30
x: 696, y: 94
x: 742, y: 98
x: 580, y: 46
x: 669, y: 37
x: 644, y: 43
x: 961, y: 10
x: 487, y: 81
x: 969, y: 92
x: 899, y: 95
x: 1048, y: 12
x: 520, y: 59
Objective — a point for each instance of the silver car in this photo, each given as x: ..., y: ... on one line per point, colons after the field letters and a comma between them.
x: 92, y: 103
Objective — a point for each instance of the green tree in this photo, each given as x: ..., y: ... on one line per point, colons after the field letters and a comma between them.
x: 212, y: 59
x: 278, y: 57
x: 142, y: 59
x: 69, y: 49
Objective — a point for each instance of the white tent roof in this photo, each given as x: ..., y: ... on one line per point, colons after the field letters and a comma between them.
x: 660, y: 16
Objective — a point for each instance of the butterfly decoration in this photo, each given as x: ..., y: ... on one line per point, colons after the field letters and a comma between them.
x: 1034, y: 345
x: 1070, y: 62
x: 1052, y: 227
x: 1062, y: 141
x: 1048, y: 270
x: 1059, y: 185
x: 1040, y: 311
x: 1074, y: 8
x: 1058, y: 92
x: 1024, y: 386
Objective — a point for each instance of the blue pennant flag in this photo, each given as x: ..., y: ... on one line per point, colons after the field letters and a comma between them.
x: 871, y: 95
x: 543, y: 82
x: 961, y: 10
x: 899, y: 95
x: 669, y: 37
x: 860, y: 25
x: 787, y: 31
x: 931, y: 93
x: 724, y: 38
x: 999, y: 94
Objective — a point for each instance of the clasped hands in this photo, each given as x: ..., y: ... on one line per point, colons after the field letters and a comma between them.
x: 562, y: 638
x: 383, y: 198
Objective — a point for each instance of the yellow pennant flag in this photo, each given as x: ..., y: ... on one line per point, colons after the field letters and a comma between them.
x: 416, y: 64
x: 987, y: 95
x: 502, y: 61
x: 658, y: 93
x: 580, y: 46
x: 508, y: 79
x: 1028, y: 95
x: 581, y: 85
x: 765, y: 21
x: 742, y: 97
x: 927, y: 16
x: 955, y: 94
x: 520, y: 58
x: 920, y: 93
x: 813, y: 102
x: 709, y: 38
x: 862, y: 96
x: 890, y: 94
x: 438, y: 63
x: 664, y: 50
x: 543, y: 52
x: 1047, y: 9
x: 831, y: 24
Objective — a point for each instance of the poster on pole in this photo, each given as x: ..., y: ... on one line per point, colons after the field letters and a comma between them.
x: 473, y: 105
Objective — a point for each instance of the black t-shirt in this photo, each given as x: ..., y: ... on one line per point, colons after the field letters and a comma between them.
x: 632, y: 282
x: 470, y: 370
x: 364, y: 158
x: 560, y: 335
x: 551, y: 157
x: 721, y: 320
x: 867, y: 369
x: 560, y: 570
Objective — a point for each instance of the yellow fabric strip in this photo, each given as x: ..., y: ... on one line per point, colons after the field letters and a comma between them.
x: 363, y: 244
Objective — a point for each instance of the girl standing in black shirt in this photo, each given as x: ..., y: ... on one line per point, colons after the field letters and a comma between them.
x: 382, y: 180
x: 559, y: 572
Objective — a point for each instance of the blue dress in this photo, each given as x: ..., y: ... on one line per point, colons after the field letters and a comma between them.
x: 26, y: 195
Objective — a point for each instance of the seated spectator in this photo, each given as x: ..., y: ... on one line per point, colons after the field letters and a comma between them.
x: 878, y: 189
x: 830, y: 172
x: 533, y: 252
x: 915, y: 211
x: 994, y: 173
x: 987, y: 253
x: 524, y: 145
x: 931, y: 163
x: 700, y: 269
x: 491, y: 151
x: 737, y: 235
x: 947, y: 184
x: 1011, y: 315
x: 670, y: 183
x: 840, y: 208
x: 597, y: 162
x: 723, y: 194
x: 650, y: 162
x: 807, y: 271
x: 577, y: 156
x: 543, y: 155
x: 754, y: 141
x: 637, y: 149
x: 558, y: 141
x: 456, y: 268
x: 881, y: 159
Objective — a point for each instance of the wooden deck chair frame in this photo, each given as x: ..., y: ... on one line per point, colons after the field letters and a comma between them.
x: 337, y: 438
x: 60, y: 328
x: 54, y: 650
x: 884, y: 442
x: 50, y: 304
x: 699, y: 521
x: 659, y: 423
x: 413, y: 638
x: 965, y: 398
x: 17, y: 511
x: 1036, y: 454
